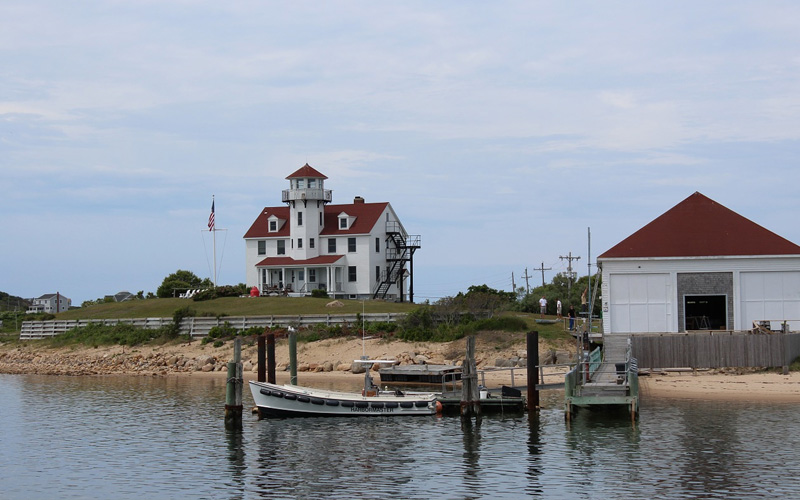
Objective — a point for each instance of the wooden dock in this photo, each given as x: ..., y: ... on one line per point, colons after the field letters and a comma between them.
x: 606, y: 378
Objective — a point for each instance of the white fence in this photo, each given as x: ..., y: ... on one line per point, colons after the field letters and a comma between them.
x: 200, y: 326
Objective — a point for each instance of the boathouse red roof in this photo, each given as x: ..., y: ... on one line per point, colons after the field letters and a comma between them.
x: 307, y: 171
x: 700, y: 227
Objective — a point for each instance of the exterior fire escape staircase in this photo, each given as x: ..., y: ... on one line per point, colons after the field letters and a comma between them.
x: 400, y: 248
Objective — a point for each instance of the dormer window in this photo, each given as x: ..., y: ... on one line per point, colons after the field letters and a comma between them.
x: 274, y: 224
x: 343, y: 223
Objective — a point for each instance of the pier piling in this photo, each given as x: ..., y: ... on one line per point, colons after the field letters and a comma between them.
x: 470, y: 402
x: 533, y: 371
x: 262, y: 367
x: 271, y: 358
x: 293, y: 358
x: 233, y: 390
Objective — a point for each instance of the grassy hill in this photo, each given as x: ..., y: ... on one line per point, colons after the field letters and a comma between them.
x: 231, y: 306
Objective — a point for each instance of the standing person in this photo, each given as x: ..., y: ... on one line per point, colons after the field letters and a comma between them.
x: 542, y: 306
x: 571, y: 315
x: 558, y: 308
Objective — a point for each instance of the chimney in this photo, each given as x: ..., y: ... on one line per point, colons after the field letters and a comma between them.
x: 358, y: 199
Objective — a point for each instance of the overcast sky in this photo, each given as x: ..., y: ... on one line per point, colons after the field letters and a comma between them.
x: 499, y: 131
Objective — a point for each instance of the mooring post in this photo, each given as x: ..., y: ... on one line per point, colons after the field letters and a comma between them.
x: 293, y: 358
x: 470, y: 402
x: 233, y: 393
x: 262, y: 368
x: 533, y: 371
x: 271, y: 358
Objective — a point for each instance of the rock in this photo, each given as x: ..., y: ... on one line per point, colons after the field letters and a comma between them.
x: 420, y: 359
x: 303, y: 367
x: 357, y: 368
x: 504, y: 363
x: 335, y: 303
x: 207, y: 367
x: 247, y: 366
x: 327, y: 366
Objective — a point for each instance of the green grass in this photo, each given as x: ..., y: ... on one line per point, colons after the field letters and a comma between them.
x: 231, y: 306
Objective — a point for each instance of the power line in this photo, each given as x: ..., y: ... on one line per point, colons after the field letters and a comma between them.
x: 542, y: 269
x: 570, y: 274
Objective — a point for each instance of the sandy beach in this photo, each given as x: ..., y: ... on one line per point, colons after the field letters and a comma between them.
x: 325, y: 362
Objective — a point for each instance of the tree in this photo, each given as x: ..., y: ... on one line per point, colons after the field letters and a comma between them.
x: 180, y: 281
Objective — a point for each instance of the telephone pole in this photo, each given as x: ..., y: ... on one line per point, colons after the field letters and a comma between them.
x: 569, y: 258
x: 527, y: 286
x: 542, y: 269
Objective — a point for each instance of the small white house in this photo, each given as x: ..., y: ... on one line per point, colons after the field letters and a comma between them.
x: 359, y: 250
x: 50, y: 303
x: 700, y: 266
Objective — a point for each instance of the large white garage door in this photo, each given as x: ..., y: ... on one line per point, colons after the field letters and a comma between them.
x: 771, y: 296
x: 639, y: 302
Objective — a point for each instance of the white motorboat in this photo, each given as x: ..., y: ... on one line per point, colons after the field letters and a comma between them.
x: 274, y: 400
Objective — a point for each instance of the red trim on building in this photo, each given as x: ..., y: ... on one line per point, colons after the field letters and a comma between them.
x: 290, y: 262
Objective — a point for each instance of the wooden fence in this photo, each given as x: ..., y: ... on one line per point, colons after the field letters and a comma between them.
x: 200, y: 326
x: 715, y: 350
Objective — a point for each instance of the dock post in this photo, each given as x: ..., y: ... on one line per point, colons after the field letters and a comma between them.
x: 262, y: 367
x: 533, y: 371
x: 271, y: 358
x: 233, y: 393
x: 293, y: 358
x: 470, y: 402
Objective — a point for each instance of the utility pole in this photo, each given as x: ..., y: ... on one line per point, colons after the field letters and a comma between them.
x: 542, y: 269
x: 569, y: 258
x: 513, y: 285
x: 527, y: 286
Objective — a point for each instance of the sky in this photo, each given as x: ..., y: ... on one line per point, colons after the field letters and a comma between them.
x: 506, y: 134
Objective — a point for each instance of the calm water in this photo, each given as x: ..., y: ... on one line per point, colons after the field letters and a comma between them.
x: 136, y: 437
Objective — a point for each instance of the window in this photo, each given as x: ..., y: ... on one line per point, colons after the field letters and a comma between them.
x: 312, y: 275
x: 273, y: 226
x: 262, y: 247
x: 299, y: 218
x: 312, y: 183
x: 351, y: 273
x: 343, y: 223
x: 281, y: 247
x: 301, y: 275
x: 377, y: 245
x: 300, y: 183
x: 311, y: 243
x: 320, y: 219
x: 299, y: 242
x: 351, y: 245
x: 331, y: 245
x: 377, y: 273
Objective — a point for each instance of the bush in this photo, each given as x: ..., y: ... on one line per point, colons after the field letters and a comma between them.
x: 319, y: 293
x: 95, y: 334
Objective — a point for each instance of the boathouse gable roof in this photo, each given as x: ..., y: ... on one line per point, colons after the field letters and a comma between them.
x: 700, y: 227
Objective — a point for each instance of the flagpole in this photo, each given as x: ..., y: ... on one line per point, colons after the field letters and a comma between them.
x: 214, y: 231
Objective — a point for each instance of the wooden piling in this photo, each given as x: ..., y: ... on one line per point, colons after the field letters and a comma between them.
x: 233, y: 390
x: 533, y: 371
x: 470, y: 399
x: 271, y: 358
x: 262, y: 365
x: 293, y: 358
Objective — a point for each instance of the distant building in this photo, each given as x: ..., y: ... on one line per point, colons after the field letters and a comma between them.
x: 700, y: 266
x: 50, y: 303
x: 359, y: 250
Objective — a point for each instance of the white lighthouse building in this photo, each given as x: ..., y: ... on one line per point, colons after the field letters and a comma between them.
x: 359, y: 250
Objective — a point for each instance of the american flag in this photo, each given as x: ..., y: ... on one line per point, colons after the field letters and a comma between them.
x: 211, y: 218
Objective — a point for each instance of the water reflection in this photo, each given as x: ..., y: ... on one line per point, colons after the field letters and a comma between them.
x: 471, y: 429
x: 535, y: 460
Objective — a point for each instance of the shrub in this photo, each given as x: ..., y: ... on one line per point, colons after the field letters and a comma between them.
x: 319, y: 293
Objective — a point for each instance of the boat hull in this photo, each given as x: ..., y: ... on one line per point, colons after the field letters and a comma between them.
x: 293, y: 401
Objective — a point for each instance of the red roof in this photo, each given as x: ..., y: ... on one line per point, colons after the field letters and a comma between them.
x: 366, y: 214
x: 700, y: 227
x: 288, y: 261
x: 307, y: 171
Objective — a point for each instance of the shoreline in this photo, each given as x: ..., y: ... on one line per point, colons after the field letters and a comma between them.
x: 325, y: 363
